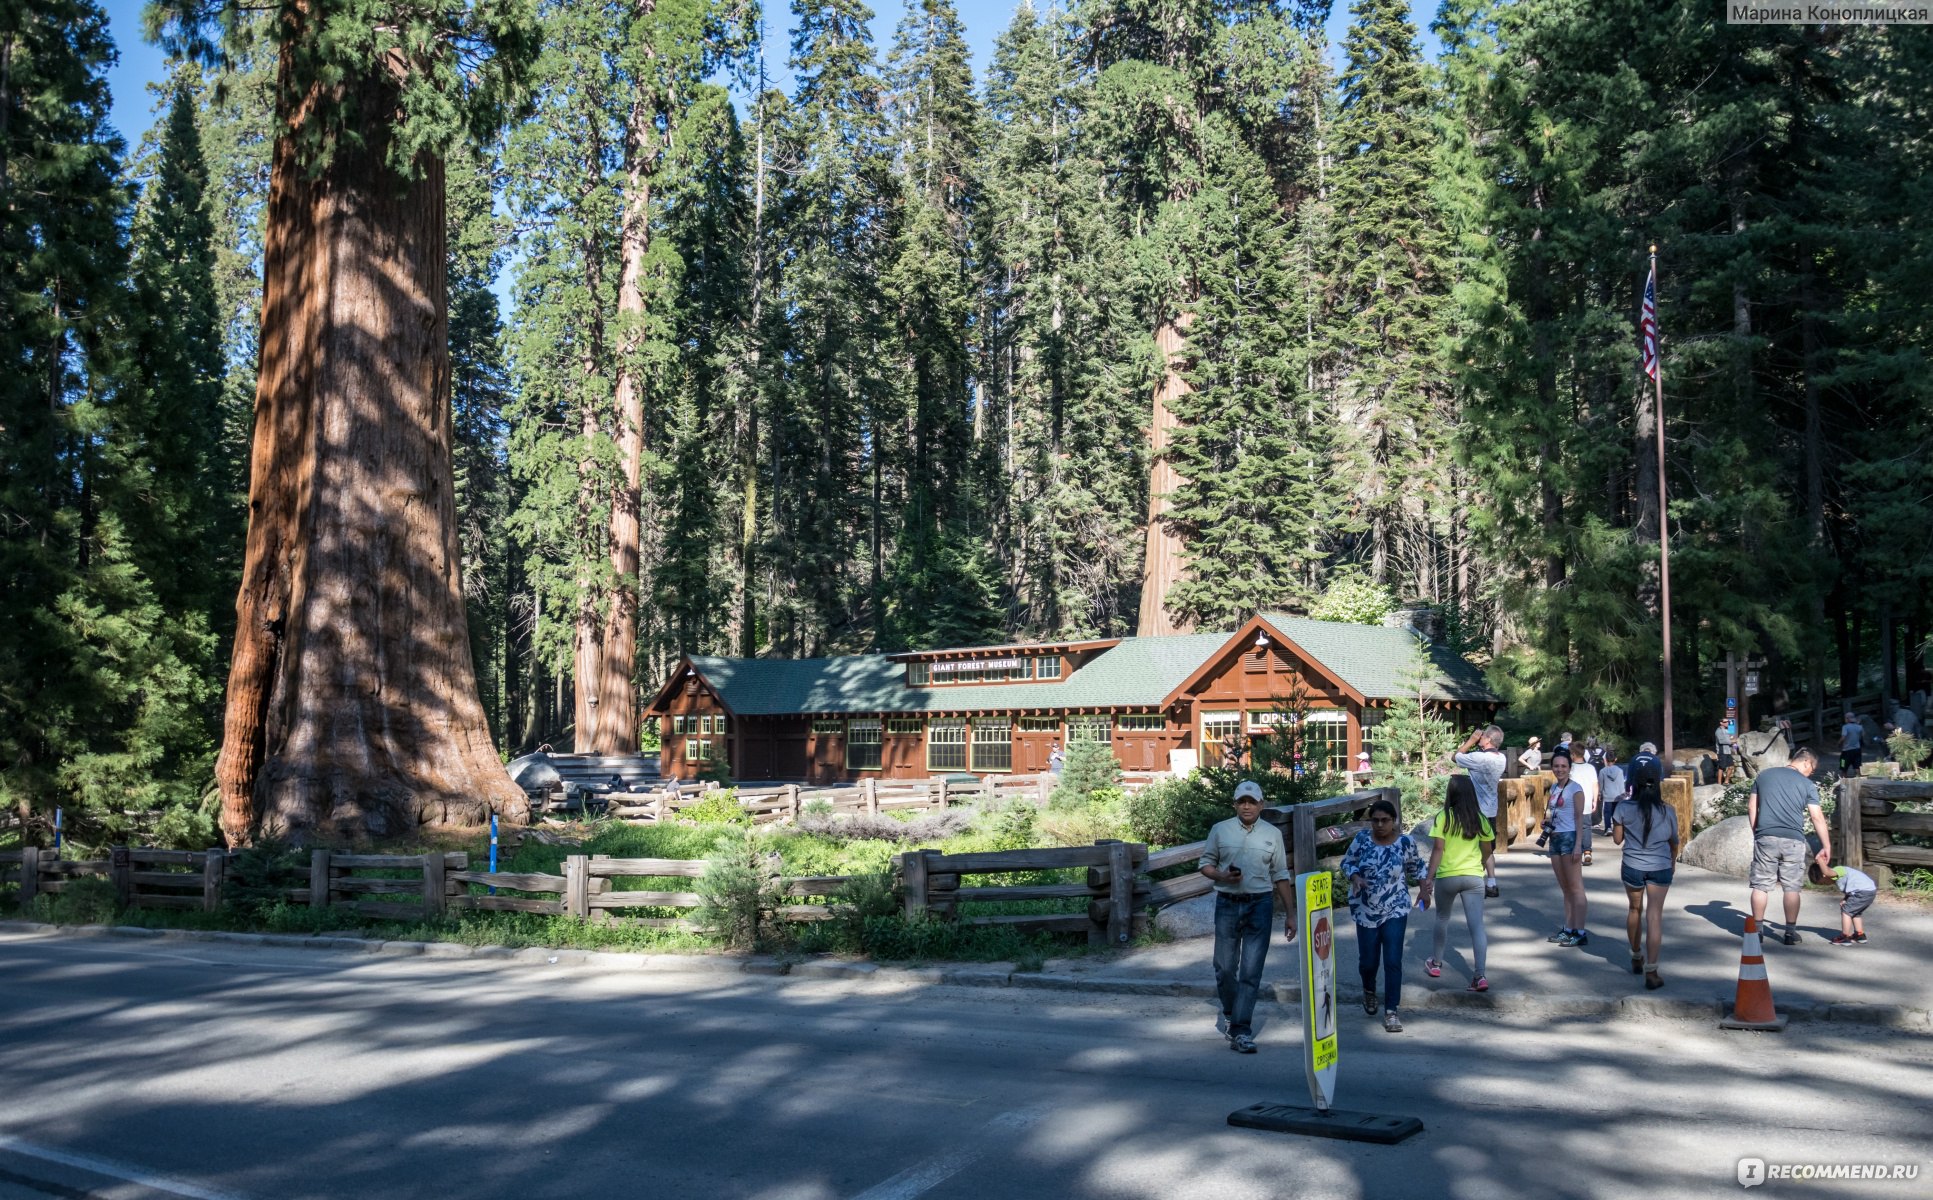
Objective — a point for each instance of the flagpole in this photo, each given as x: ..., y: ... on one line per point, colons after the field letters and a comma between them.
x: 1664, y: 541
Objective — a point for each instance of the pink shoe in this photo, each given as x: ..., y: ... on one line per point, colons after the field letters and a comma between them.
x: 1432, y: 968
x: 1480, y: 984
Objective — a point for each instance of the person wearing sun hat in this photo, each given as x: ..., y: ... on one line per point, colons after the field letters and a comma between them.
x: 1248, y: 862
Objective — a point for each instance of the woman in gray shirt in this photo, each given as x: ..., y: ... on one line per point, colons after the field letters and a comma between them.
x: 1647, y: 828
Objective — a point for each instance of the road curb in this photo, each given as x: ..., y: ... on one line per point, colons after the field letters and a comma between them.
x: 1005, y: 975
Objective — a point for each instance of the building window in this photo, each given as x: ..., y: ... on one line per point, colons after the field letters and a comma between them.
x: 697, y: 750
x: 1047, y: 668
x: 1372, y: 719
x: 1040, y: 724
x: 946, y: 745
x: 1216, y: 728
x: 1089, y: 729
x: 862, y: 744
x: 918, y: 674
x: 992, y: 744
x: 1140, y: 723
x: 823, y: 727
x: 1325, y: 740
x: 904, y: 726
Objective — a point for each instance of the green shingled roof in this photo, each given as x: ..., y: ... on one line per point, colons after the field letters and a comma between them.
x: 1138, y: 673
x: 1378, y: 661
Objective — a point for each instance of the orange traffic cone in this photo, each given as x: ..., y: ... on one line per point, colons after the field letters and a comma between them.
x: 1753, y: 1007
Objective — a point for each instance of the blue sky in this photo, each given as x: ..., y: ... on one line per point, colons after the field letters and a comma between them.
x: 141, y: 64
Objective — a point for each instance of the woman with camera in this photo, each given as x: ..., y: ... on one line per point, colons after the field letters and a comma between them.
x: 1380, y: 864
x: 1647, y: 828
x: 1566, y: 812
x: 1462, y: 848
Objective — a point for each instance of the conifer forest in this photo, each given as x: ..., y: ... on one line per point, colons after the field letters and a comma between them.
x: 435, y: 373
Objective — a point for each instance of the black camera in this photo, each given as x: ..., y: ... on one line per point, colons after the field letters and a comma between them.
x: 1543, y: 839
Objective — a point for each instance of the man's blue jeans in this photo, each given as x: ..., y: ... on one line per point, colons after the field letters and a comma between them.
x: 1242, y: 926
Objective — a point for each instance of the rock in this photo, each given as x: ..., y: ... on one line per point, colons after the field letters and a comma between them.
x: 1190, y: 918
x: 1766, y: 748
x: 1881, y: 873
x: 1705, y: 800
x: 1725, y: 848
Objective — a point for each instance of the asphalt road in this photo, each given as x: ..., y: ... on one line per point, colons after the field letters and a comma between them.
x: 133, y: 1070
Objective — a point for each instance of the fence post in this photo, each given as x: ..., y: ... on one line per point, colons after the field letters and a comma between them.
x: 943, y: 784
x: 1120, y: 892
x: 1849, y: 842
x: 870, y: 789
x: 577, y: 886
x: 433, y: 884
x: 1302, y: 835
x: 318, y: 879
x: 792, y: 804
x: 29, y: 874
x: 211, y: 872
x: 913, y: 872
x: 1044, y: 784
x: 120, y: 870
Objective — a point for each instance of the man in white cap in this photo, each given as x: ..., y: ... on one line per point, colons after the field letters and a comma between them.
x: 1249, y: 864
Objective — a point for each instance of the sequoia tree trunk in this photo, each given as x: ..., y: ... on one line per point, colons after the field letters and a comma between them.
x: 1161, y: 563
x: 352, y: 705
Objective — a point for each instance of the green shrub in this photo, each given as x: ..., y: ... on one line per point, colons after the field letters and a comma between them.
x: 719, y: 807
x: 1103, y: 816
x: 1013, y: 825
x: 1172, y: 812
x: 259, y: 877
x: 818, y: 806
x: 1909, y: 751
x: 1090, y: 766
x: 83, y: 900
x: 741, y: 888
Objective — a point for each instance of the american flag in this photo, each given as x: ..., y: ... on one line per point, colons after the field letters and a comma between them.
x: 1648, y: 324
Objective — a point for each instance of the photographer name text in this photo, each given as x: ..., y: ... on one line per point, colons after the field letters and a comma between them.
x: 1829, y: 14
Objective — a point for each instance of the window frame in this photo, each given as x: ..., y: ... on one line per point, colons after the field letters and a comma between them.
x: 1139, y: 722
x: 1000, y: 748
x: 944, y: 727
x: 904, y: 727
x: 831, y: 726
x: 868, y: 735
x: 1041, y: 666
x: 1039, y: 724
x: 1082, y: 729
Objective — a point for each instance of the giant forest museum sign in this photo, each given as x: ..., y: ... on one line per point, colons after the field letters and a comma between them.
x: 1161, y: 702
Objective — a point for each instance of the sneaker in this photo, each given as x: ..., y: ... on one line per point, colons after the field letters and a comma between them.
x: 1480, y: 984
x: 1581, y: 939
x: 1432, y: 968
x: 1391, y: 1022
x: 1587, y: 858
x: 1791, y: 937
x: 1491, y: 891
x: 1369, y: 1004
x: 1858, y: 939
x: 1242, y: 1043
x: 1570, y: 938
x: 1840, y: 939
x: 1559, y: 937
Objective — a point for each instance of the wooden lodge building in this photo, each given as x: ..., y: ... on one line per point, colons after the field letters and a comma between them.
x: 1163, y: 702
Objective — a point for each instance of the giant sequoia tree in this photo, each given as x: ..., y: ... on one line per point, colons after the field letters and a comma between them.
x: 352, y: 703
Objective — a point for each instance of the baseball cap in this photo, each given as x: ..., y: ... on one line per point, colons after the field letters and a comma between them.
x: 1250, y: 790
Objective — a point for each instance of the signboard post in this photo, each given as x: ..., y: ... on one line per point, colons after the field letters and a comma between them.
x: 1316, y: 921
x: 1319, y: 1052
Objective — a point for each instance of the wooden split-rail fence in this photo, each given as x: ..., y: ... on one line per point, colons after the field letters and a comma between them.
x: 788, y: 801
x: 1520, y: 807
x: 1870, y: 821
x: 1116, y: 888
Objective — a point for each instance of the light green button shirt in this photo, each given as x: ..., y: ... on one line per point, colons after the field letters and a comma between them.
x: 1257, y: 849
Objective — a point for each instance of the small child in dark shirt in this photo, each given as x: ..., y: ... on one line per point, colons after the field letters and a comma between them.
x: 1860, y: 892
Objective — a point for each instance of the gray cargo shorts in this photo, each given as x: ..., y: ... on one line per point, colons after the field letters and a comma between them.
x: 1779, y: 860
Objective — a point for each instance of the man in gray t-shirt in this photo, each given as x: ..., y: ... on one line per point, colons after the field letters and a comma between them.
x: 1781, y: 800
x: 1481, y: 754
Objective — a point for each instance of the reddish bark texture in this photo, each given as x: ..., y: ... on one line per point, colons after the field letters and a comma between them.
x: 1161, y: 565
x: 352, y: 706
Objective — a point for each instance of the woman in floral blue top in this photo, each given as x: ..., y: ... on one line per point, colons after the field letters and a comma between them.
x: 1380, y: 865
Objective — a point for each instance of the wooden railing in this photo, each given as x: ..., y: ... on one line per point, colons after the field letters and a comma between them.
x: 933, y: 884
x: 1869, y: 821
x: 787, y: 801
